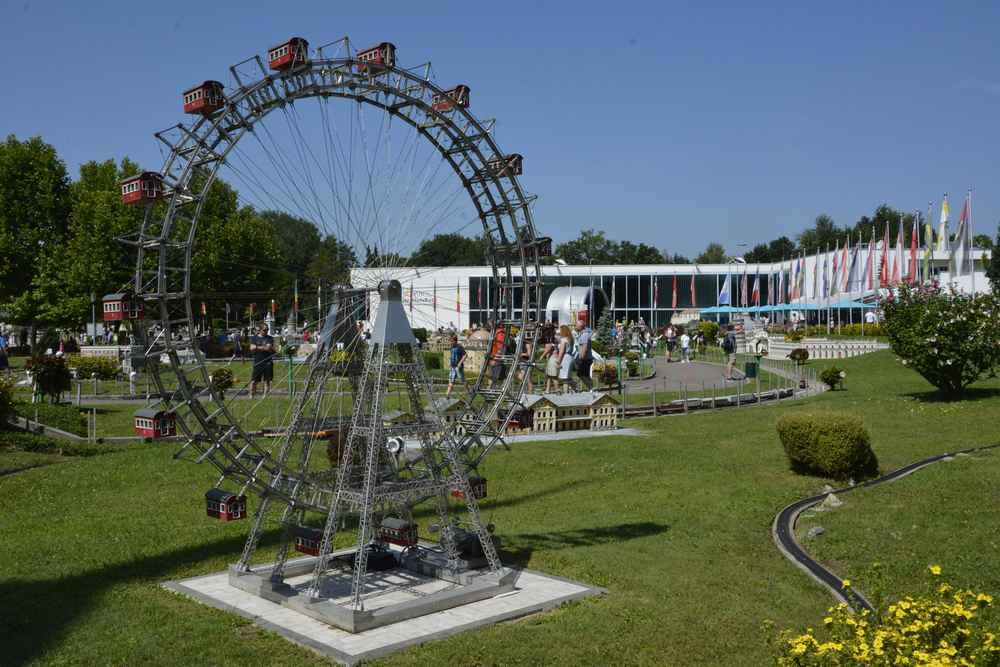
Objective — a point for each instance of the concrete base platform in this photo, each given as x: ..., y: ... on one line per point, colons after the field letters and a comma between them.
x: 523, y: 592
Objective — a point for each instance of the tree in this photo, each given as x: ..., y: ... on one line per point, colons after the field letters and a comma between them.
x: 299, y: 240
x: 332, y: 263
x: 630, y: 253
x: 982, y: 241
x: 821, y: 236
x: 713, y: 254
x: 590, y: 247
x: 449, y: 250
x: 781, y: 248
x: 993, y: 268
x: 758, y: 254
x: 34, y: 208
x: 674, y: 258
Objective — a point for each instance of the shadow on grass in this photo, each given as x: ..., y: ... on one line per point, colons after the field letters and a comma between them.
x: 970, y: 394
x: 521, y: 546
x: 35, y: 614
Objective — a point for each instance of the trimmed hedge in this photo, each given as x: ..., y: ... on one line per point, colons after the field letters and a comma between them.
x: 106, y: 369
x: 30, y: 442
x: 830, y: 444
x: 61, y: 416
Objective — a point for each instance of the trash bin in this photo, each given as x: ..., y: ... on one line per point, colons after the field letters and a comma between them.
x: 750, y: 369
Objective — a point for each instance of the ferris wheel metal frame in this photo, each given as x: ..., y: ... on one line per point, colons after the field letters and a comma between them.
x: 166, y: 241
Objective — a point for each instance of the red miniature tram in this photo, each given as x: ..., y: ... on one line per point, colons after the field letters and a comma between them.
x: 287, y: 55
x: 150, y: 423
x: 121, y: 307
x: 399, y: 532
x: 205, y: 98
x: 307, y: 540
x: 478, y: 487
x: 146, y: 187
x: 457, y: 97
x: 377, y: 58
x: 225, y: 506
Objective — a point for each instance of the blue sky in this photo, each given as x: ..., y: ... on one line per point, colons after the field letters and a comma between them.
x: 670, y: 124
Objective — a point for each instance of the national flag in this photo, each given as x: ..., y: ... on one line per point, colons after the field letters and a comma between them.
x: 411, y: 299
x: 883, y: 271
x: 869, y: 282
x: 744, y: 298
x: 458, y: 297
x: 911, y: 276
x: 203, y: 313
x: 770, y: 288
x: 852, y: 273
x: 295, y: 298
x: 673, y: 301
x: 694, y: 301
x: 656, y: 293
x: 928, y: 242
x: 274, y: 307
x: 755, y: 296
x: 434, y: 298
x: 815, y: 291
x: 826, y: 271
x: 942, y: 243
x: 897, y: 267
x: 960, y: 249
x: 725, y: 292
x: 781, y: 283
x: 835, y: 276
x: 843, y: 265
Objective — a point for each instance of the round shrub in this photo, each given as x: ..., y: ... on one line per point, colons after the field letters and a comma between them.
x: 799, y: 355
x: 830, y: 444
x: 710, y: 330
x: 106, y: 368
x: 832, y: 377
x: 222, y: 379
x: 51, y: 375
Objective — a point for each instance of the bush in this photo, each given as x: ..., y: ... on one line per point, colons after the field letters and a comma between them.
x: 795, y: 336
x: 421, y: 335
x: 6, y: 401
x: 433, y: 361
x: 31, y: 442
x: 832, y: 377
x: 945, y: 626
x: 222, y: 379
x: 51, y: 375
x: 827, y: 443
x: 70, y: 346
x: 951, y: 339
x: 711, y: 332
x: 105, y: 367
x: 799, y: 355
x: 61, y: 416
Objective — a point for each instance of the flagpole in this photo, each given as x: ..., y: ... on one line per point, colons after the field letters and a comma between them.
x: 972, y: 262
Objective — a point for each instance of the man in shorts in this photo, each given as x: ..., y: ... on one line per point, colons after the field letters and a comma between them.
x: 262, y: 352
x: 729, y: 347
x: 671, y: 342
x: 584, y: 354
x: 456, y: 364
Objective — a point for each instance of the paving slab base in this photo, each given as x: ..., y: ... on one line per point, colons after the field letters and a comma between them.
x: 453, y: 607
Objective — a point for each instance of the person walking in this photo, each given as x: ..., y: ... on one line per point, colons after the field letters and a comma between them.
x: 4, y: 355
x: 685, y: 347
x: 584, y: 354
x: 729, y: 347
x: 671, y: 342
x: 262, y: 352
x: 551, y: 354
x: 456, y: 364
x: 565, y: 354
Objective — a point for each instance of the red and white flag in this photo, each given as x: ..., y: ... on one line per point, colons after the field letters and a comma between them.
x: 673, y: 303
x: 911, y: 276
x: 883, y: 271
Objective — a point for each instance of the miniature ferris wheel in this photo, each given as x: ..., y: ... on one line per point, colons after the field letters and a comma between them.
x: 380, y: 157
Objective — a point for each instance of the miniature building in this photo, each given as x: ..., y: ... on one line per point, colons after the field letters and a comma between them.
x: 144, y: 188
x: 121, y: 307
x: 288, y: 54
x: 399, y: 532
x: 151, y: 423
x: 457, y: 97
x: 307, y: 540
x: 584, y: 411
x: 205, y: 98
x: 225, y: 506
x: 377, y: 58
x: 450, y: 409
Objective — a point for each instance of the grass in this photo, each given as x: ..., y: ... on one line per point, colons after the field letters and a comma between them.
x: 674, y: 523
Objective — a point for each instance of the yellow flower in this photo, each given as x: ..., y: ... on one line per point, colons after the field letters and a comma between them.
x: 935, y: 570
x: 846, y: 583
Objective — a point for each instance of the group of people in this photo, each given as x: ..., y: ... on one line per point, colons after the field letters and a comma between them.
x: 674, y: 335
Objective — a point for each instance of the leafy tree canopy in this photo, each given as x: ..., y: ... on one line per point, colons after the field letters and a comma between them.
x: 713, y: 254
x: 449, y: 250
x: 299, y: 240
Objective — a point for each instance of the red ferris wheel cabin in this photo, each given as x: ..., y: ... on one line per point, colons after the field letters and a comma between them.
x: 146, y: 187
x: 450, y: 99
x: 121, y: 306
x: 150, y: 423
x: 377, y: 58
x: 398, y: 532
x: 476, y: 484
x: 293, y: 53
x: 225, y: 506
x: 205, y: 98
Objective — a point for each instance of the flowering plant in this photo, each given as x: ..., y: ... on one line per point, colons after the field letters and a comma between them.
x: 946, y: 626
x: 950, y: 338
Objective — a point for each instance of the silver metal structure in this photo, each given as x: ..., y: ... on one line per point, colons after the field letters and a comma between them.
x: 348, y: 385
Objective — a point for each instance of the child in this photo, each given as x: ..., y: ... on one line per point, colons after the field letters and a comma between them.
x: 456, y: 364
x: 685, y: 348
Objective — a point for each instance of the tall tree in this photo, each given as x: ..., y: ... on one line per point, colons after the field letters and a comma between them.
x: 713, y: 254
x: 590, y: 247
x: 300, y: 242
x: 993, y: 268
x: 332, y: 263
x: 821, y: 236
x: 34, y: 208
x: 759, y: 253
x: 449, y: 250
x: 630, y: 253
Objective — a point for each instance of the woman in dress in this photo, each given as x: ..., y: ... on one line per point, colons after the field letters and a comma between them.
x: 565, y: 358
x: 550, y: 352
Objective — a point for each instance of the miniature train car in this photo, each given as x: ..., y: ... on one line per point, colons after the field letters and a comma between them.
x: 152, y: 423
x: 398, y: 532
x: 478, y: 487
x: 293, y: 53
x: 121, y: 307
x: 143, y: 188
x: 206, y: 98
x: 225, y: 506
x: 307, y: 540
x: 457, y: 97
x: 377, y: 58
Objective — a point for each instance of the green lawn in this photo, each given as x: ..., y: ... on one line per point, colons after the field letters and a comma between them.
x: 674, y: 523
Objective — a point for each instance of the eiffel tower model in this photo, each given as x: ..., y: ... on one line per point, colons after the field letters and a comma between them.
x: 388, y: 467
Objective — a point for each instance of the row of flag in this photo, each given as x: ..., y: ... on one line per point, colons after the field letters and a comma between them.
x: 861, y: 267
